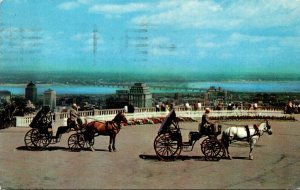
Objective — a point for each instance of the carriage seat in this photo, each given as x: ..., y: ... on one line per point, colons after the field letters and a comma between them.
x: 61, y: 130
x: 194, y: 136
x: 73, y: 126
x: 211, y: 130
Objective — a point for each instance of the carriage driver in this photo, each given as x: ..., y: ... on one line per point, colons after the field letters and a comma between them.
x: 74, y: 116
x: 205, y: 123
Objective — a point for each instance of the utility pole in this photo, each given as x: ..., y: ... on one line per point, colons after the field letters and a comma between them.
x: 95, y: 44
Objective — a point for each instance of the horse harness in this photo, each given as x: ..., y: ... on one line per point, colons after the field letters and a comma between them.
x: 248, y: 132
x: 117, y: 127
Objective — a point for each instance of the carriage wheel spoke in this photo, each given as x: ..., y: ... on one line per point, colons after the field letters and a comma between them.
x: 212, y: 149
x: 166, y: 147
x: 28, y: 140
x: 75, y: 141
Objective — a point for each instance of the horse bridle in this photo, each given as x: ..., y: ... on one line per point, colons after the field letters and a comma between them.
x: 116, y: 125
x: 265, y: 129
x: 257, y: 132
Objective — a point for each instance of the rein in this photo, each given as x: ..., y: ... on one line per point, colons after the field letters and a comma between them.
x: 114, y: 124
x: 232, y: 124
x: 248, y: 132
x: 256, y: 130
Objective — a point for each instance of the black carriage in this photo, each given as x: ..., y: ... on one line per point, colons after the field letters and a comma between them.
x: 41, y: 134
x: 168, y: 143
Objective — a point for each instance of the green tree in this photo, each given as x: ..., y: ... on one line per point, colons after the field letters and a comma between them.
x: 17, y: 106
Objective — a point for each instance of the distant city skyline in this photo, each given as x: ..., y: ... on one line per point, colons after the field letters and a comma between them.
x: 158, y: 36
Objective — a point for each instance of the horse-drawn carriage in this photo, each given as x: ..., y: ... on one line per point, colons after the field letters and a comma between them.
x: 168, y: 143
x: 42, y: 134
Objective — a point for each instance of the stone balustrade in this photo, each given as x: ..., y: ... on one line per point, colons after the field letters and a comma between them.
x: 60, y: 118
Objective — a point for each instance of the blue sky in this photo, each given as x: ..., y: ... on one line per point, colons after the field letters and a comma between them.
x: 172, y: 36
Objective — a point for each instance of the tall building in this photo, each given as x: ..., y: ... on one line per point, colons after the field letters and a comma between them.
x: 140, y: 95
x: 215, y: 96
x: 50, y: 99
x: 31, y: 92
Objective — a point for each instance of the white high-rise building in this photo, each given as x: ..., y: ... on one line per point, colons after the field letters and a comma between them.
x: 50, y: 99
x: 140, y: 95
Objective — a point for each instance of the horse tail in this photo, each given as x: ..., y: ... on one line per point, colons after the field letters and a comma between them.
x: 223, y: 135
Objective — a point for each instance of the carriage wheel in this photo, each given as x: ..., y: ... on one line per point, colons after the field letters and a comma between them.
x: 28, y: 141
x: 212, y: 149
x: 76, y: 142
x: 40, y: 140
x: 167, y: 147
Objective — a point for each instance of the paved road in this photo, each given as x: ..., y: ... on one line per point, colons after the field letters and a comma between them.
x: 276, y: 163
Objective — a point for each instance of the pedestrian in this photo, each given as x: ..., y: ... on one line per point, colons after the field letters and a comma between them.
x: 255, y: 106
x: 157, y: 108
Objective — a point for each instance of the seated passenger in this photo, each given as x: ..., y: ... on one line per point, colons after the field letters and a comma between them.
x: 42, y: 118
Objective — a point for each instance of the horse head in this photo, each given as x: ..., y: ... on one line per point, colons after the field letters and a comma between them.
x: 120, y: 117
x: 267, y: 127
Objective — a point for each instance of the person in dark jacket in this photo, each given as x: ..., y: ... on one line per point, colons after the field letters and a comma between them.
x: 204, y: 126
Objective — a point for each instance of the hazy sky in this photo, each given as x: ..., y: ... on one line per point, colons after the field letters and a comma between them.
x: 260, y: 36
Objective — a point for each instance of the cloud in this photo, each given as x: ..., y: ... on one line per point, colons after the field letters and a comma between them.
x: 14, y: 1
x: 183, y: 14
x: 88, y: 41
x: 85, y: 1
x: 291, y: 42
x: 262, y: 14
x: 118, y: 8
x: 68, y: 5
x: 16, y: 40
x: 242, y: 45
x: 162, y: 46
x: 222, y: 15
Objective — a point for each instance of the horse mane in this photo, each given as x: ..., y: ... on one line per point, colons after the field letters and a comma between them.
x: 117, y: 117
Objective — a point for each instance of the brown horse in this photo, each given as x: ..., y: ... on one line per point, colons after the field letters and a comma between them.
x: 108, y: 128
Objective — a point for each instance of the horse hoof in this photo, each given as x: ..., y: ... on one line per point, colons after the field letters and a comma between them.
x: 115, y: 150
x: 251, y: 157
x: 229, y: 156
x: 92, y: 149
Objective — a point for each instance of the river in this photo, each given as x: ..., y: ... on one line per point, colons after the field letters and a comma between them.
x: 238, y: 86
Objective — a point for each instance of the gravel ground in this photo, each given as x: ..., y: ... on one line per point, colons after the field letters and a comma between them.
x: 276, y: 163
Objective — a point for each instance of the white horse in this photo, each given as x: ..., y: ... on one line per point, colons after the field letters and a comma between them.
x: 250, y: 133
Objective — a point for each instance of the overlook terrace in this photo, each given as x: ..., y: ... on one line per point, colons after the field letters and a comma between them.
x: 60, y: 118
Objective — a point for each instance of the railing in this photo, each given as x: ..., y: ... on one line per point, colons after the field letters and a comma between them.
x: 60, y: 118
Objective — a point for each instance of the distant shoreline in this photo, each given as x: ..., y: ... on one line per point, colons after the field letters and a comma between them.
x: 23, y: 84
x: 191, y: 87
